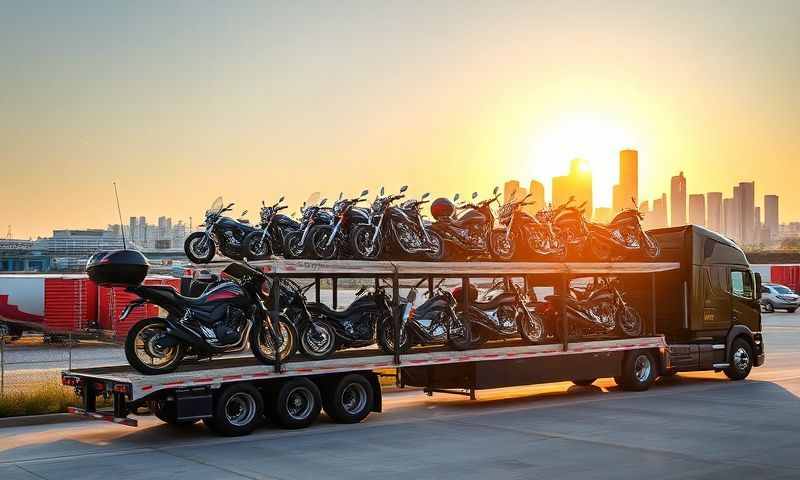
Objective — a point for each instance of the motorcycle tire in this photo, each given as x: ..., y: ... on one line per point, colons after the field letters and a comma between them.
x: 261, y: 341
x: 386, y: 339
x: 629, y: 322
x: 359, y: 239
x: 317, y: 243
x: 255, y: 247
x: 203, y: 256
x: 439, y: 253
x: 531, y: 329
x: 459, y: 333
x: 292, y: 247
x: 311, y: 347
x: 501, y: 248
x: 133, y: 343
x: 649, y: 247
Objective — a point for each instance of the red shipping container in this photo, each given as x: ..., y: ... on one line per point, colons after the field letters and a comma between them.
x: 112, y: 301
x: 788, y: 275
x: 70, y: 303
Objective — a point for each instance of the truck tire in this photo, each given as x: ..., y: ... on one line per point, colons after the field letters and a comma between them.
x: 166, y: 412
x: 638, y: 371
x: 297, y: 404
x: 583, y: 382
x: 348, y: 400
x: 741, y: 360
x: 238, y: 410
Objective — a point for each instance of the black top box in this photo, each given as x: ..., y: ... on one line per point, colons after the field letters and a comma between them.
x: 118, y: 268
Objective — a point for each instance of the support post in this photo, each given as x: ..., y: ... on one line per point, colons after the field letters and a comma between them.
x: 396, y: 314
x: 335, y: 292
x: 430, y: 286
x: 275, y: 314
x: 653, y: 303
x: 317, y: 287
x: 563, y: 316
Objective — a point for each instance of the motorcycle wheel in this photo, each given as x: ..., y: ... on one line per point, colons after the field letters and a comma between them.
x: 318, y: 341
x: 630, y: 322
x: 361, y: 243
x: 256, y: 248
x: 386, y: 337
x: 199, y: 248
x: 144, y: 355
x: 500, y: 247
x: 649, y: 246
x: 261, y: 341
x: 318, y: 244
x: 459, y: 334
x: 293, y: 247
x: 438, y: 253
x: 531, y: 329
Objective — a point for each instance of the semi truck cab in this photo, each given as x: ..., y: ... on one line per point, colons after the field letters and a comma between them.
x: 709, y: 310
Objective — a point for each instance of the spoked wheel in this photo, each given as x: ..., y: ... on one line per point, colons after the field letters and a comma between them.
x: 297, y: 404
x: 630, y: 322
x: 318, y: 341
x: 386, y: 340
x: 321, y: 244
x: 362, y: 244
x: 459, y: 335
x: 293, y: 247
x: 500, y: 247
x: 144, y: 350
x: 437, y: 252
x: 263, y: 347
x: 649, y: 246
x: 256, y: 246
x: 199, y: 248
x: 531, y: 327
x: 238, y: 409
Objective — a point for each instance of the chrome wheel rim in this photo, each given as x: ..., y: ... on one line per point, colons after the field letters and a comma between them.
x: 318, y: 338
x: 354, y: 398
x: 631, y: 322
x: 741, y: 359
x: 299, y: 403
x: 148, y: 352
x: 240, y: 409
x: 389, y: 333
x: 284, y: 341
x: 199, y: 246
x: 642, y: 368
x: 534, y: 330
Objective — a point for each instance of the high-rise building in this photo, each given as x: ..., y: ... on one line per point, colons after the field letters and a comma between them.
x: 747, y: 212
x: 578, y: 184
x: 678, y: 200
x: 510, y: 188
x: 771, y: 221
x: 659, y: 213
x: 141, y: 232
x: 132, y: 229
x: 714, y: 211
x: 758, y: 237
x: 730, y: 215
x: 603, y: 214
x: 697, y: 209
x: 537, y: 196
x: 628, y: 186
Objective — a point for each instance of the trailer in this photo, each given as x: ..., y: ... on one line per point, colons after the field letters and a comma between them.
x: 233, y: 395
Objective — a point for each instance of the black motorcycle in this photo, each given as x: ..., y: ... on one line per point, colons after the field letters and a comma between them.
x: 528, y: 236
x: 502, y: 315
x: 396, y: 231
x: 434, y: 321
x: 328, y: 242
x: 270, y: 237
x: 228, y: 314
x: 312, y: 214
x: 220, y: 232
x: 466, y: 236
x: 598, y: 310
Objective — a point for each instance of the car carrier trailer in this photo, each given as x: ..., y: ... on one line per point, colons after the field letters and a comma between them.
x: 233, y: 395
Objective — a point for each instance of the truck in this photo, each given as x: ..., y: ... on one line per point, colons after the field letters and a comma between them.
x: 699, y: 305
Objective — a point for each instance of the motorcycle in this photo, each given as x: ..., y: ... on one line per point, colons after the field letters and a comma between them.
x: 624, y: 237
x: 221, y: 320
x: 434, y: 321
x: 600, y: 310
x: 269, y: 238
x: 505, y: 315
x: 467, y: 235
x: 529, y: 235
x: 312, y: 214
x: 220, y: 232
x: 327, y: 241
x: 396, y: 228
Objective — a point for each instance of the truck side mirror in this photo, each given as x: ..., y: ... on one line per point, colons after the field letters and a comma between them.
x: 758, y: 285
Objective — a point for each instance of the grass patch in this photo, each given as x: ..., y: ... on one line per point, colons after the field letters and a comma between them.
x: 49, y: 397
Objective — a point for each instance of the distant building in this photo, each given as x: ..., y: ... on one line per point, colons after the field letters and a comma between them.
x: 537, y: 196
x: 604, y: 214
x: 510, y: 189
x: 628, y: 186
x: 659, y: 213
x: 730, y: 215
x: 678, y: 200
x: 21, y: 256
x: 771, y: 218
x: 578, y: 184
x: 697, y: 209
x: 70, y: 249
x: 133, y: 229
x: 714, y: 211
x: 747, y: 212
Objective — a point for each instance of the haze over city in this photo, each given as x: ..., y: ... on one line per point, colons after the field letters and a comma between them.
x: 182, y: 102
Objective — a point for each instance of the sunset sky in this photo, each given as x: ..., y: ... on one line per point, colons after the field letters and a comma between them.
x: 182, y: 102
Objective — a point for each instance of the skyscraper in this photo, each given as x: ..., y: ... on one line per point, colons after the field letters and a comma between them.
x: 132, y: 229
x: 678, y: 200
x: 141, y: 232
x: 747, y: 212
x: 659, y: 214
x: 577, y: 183
x: 771, y: 219
x: 537, y: 195
x: 510, y: 188
x: 758, y: 238
x: 730, y: 214
x: 697, y: 209
x: 628, y: 186
x: 714, y: 211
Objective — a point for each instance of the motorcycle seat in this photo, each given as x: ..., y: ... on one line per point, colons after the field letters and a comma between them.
x: 322, y: 309
x: 169, y: 290
x: 495, y: 302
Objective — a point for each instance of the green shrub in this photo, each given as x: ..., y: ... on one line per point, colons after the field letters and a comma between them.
x: 48, y: 397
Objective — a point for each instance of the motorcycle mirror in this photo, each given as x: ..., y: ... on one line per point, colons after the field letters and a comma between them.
x: 281, y: 199
x: 364, y: 193
x: 244, y: 213
x: 474, y: 195
x: 403, y: 188
x: 382, y: 191
x: 425, y: 195
x: 340, y: 195
x: 495, y: 191
x: 412, y: 295
x: 456, y: 197
x: 321, y: 203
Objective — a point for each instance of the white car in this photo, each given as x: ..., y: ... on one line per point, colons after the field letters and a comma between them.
x: 775, y: 296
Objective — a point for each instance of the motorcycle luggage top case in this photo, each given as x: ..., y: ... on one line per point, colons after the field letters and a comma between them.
x: 117, y: 268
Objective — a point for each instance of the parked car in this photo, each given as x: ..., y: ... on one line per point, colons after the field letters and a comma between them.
x: 776, y: 296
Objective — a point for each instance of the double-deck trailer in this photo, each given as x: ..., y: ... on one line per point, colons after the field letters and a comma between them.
x: 683, y: 330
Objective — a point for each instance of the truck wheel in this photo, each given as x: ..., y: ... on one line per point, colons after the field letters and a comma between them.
x: 583, y: 382
x: 166, y: 412
x: 638, y: 371
x: 238, y: 409
x: 349, y: 400
x: 297, y: 404
x: 741, y: 360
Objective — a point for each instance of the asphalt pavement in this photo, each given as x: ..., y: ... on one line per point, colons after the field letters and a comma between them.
x: 697, y: 425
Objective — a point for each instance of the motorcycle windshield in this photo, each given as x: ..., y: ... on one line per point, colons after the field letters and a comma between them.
x: 215, y: 207
x: 313, y: 199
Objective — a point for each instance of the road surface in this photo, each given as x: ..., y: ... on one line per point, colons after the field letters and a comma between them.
x: 691, y: 426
